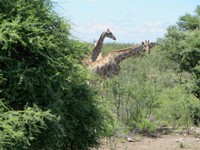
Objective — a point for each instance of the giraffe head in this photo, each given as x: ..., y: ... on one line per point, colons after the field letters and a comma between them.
x: 109, y: 34
x: 147, y: 46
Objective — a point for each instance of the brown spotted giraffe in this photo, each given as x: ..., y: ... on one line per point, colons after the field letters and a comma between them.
x: 109, y: 65
x: 98, y: 46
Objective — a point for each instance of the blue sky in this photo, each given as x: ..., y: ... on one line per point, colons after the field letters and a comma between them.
x: 131, y: 21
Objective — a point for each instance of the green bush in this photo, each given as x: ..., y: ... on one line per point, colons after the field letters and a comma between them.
x: 181, y: 45
x: 178, y: 107
x: 40, y: 64
x: 145, y: 126
x: 19, y: 128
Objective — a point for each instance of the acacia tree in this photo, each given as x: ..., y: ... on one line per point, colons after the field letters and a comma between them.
x: 39, y: 65
x: 182, y: 46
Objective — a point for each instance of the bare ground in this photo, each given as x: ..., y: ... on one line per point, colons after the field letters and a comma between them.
x: 164, y: 142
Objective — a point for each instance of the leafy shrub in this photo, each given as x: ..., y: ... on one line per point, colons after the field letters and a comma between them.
x: 40, y: 65
x: 19, y: 128
x: 178, y: 107
x: 145, y: 126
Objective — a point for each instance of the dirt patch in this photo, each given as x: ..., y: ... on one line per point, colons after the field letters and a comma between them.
x: 165, y: 142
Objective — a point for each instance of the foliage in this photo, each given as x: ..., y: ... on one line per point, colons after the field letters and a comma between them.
x: 177, y: 108
x: 181, y: 45
x: 190, y: 22
x: 40, y: 64
x: 19, y: 128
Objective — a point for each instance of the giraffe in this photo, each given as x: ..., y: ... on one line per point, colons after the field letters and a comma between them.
x: 98, y: 46
x: 109, y: 65
x: 100, y: 54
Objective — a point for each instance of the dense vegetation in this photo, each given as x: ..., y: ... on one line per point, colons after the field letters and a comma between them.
x: 45, y: 102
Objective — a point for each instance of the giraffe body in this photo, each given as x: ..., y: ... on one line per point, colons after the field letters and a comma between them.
x: 109, y: 65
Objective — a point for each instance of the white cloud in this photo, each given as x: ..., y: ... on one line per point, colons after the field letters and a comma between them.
x: 93, y: 27
x: 123, y: 32
x: 153, y: 28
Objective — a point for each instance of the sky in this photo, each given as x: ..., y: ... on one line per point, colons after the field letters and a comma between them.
x: 131, y: 21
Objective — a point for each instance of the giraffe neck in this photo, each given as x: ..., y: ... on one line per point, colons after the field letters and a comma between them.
x: 121, y: 55
x: 98, y: 47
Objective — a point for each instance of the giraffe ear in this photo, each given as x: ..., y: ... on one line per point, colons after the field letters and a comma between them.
x: 142, y: 43
x: 108, y: 30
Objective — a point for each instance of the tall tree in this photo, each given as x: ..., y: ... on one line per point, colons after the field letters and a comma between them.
x: 182, y: 45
